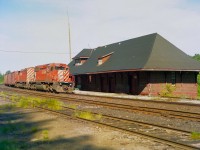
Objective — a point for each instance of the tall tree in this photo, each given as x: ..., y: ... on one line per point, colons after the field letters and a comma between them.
x: 1, y: 78
x: 7, y: 72
x: 196, y: 57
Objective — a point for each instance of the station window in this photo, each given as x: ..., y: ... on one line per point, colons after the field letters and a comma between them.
x: 173, y: 77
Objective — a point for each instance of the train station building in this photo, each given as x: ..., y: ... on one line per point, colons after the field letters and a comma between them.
x: 147, y: 65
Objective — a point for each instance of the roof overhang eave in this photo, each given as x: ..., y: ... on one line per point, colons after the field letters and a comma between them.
x: 80, y: 57
x: 139, y: 69
x: 170, y: 69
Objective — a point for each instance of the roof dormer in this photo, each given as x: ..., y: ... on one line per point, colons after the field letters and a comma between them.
x: 80, y: 60
x: 104, y: 58
x: 82, y: 57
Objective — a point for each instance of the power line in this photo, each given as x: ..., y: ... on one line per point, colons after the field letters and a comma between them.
x: 33, y: 52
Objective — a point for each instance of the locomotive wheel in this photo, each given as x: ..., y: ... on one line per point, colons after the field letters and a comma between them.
x: 47, y: 88
x: 51, y: 88
x: 65, y: 88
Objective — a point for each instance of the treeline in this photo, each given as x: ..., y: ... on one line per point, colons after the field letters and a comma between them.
x: 1, y: 78
x: 196, y: 57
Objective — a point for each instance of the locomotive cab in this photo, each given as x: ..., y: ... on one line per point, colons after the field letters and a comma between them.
x: 59, y: 75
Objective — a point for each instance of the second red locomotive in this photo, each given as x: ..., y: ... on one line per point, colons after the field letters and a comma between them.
x: 53, y: 77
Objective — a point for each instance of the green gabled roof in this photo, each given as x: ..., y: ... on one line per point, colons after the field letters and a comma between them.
x: 166, y: 56
x: 150, y: 52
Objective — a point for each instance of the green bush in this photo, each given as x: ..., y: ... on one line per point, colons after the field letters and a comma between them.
x: 168, y: 90
x: 198, y: 79
x: 23, y: 102
x: 196, y: 57
x: 1, y: 78
x: 4, y: 95
x: 31, y: 102
x: 9, y: 128
x: 198, y: 82
x: 53, y: 104
x: 195, y: 136
x: 45, y: 135
x: 34, y: 129
x: 87, y: 115
x: 8, y: 145
x: 72, y: 106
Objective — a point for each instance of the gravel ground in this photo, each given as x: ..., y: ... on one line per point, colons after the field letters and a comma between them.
x: 75, y: 135
x: 133, y: 100
x: 191, y: 126
x: 106, y: 138
x: 187, y: 125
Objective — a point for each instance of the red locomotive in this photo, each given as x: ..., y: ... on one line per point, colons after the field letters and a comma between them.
x: 54, y: 77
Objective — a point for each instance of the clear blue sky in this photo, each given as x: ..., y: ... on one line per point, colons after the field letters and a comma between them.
x: 41, y: 26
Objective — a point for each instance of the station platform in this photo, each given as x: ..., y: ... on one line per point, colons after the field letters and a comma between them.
x: 136, y: 97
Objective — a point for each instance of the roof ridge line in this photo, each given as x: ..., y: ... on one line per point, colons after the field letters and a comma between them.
x: 156, y: 34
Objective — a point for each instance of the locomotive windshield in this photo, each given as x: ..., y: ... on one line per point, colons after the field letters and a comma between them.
x: 60, y: 68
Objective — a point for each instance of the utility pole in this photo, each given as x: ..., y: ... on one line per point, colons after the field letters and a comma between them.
x: 69, y: 36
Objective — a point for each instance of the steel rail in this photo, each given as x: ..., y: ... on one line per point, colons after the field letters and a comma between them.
x: 121, y: 128
x: 137, y: 122
x: 133, y: 121
x: 163, y: 112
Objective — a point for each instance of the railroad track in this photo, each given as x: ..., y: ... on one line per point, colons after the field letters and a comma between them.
x: 193, y: 116
x: 176, y: 138
x: 173, y: 137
